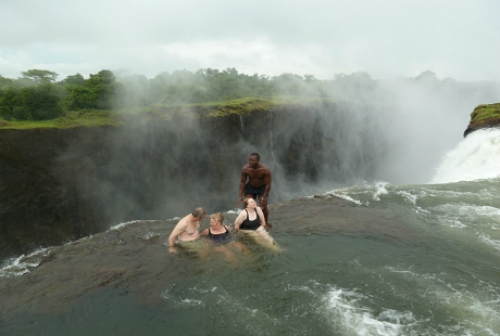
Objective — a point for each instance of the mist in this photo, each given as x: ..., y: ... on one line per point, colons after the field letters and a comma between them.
x: 172, y: 154
x: 415, y: 121
x: 369, y: 130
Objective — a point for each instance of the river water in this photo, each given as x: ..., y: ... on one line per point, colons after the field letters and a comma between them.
x: 431, y: 267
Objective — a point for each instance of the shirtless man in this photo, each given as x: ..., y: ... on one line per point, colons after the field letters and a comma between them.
x: 259, y: 182
x: 187, y: 229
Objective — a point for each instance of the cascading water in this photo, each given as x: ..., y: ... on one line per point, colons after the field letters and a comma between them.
x: 476, y: 157
x: 242, y: 125
x: 270, y: 132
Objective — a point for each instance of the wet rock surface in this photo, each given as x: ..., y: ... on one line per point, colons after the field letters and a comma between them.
x: 62, y: 184
x: 134, y: 258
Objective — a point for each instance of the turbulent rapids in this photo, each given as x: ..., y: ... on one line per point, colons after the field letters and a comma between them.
x: 371, y: 259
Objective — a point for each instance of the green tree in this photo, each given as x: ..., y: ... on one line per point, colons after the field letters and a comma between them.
x: 103, y: 89
x: 39, y: 103
x: 9, y: 99
x: 99, y: 92
x: 5, y: 112
x: 5, y: 82
x: 40, y: 76
x: 74, y: 80
x: 79, y: 97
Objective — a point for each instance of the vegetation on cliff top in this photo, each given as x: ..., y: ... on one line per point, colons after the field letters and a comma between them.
x: 484, y: 113
x: 37, y: 100
x: 95, y: 118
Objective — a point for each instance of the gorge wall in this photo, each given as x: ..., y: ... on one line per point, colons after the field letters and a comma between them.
x: 57, y: 185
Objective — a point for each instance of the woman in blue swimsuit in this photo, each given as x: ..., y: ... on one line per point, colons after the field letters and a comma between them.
x: 216, y: 232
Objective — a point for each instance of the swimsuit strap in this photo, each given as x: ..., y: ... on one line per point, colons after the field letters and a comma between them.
x: 210, y: 232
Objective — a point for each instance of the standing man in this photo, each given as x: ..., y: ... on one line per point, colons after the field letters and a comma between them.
x: 187, y: 229
x: 258, y: 184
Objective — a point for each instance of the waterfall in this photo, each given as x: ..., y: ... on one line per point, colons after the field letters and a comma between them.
x: 242, y: 126
x: 475, y: 157
x: 270, y: 132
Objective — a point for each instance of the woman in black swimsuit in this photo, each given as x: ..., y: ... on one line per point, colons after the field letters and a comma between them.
x: 251, y: 218
x: 217, y: 232
x: 252, y: 223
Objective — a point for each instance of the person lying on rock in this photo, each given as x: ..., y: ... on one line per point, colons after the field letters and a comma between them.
x: 187, y: 231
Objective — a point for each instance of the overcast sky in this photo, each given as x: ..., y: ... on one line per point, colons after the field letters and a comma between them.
x: 385, y: 38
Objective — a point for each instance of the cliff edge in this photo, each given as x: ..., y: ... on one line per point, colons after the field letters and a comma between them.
x: 484, y: 116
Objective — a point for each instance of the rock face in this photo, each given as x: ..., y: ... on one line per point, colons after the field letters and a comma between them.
x: 135, y: 256
x: 61, y: 184
x: 484, y: 116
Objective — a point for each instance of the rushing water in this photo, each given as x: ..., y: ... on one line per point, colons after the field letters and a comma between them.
x: 437, y: 274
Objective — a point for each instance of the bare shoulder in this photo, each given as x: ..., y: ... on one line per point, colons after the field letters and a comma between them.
x: 242, y: 214
x: 181, y: 223
x: 264, y: 168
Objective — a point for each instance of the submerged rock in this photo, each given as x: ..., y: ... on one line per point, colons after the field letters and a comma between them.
x: 134, y: 257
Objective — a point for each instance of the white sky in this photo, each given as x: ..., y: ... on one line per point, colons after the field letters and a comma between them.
x: 385, y: 38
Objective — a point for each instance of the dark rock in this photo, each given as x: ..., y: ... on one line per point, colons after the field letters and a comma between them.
x: 135, y: 257
x: 57, y: 185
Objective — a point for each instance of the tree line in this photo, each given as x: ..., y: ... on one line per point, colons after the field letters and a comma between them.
x: 37, y: 95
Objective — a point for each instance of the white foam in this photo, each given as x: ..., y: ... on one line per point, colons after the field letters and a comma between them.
x: 476, y: 157
x: 150, y: 235
x: 346, y: 197
x: 411, y: 198
x: 344, y: 307
x: 18, y: 266
x: 124, y: 224
x: 490, y: 241
x: 470, y: 213
x: 380, y: 189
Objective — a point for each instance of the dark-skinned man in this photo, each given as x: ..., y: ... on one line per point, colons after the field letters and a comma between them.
x: 255, y: 182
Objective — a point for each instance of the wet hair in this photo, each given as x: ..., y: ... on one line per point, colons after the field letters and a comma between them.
x: 218, y: 216
x: 256, y: 155
x: 245, y: 201
x: 199, y: 212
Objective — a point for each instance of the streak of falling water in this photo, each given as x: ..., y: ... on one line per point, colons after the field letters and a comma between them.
x: 242, y: 126
x: 270, y: 132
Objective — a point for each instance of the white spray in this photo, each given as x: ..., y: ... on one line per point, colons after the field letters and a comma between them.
x: 476, y: 157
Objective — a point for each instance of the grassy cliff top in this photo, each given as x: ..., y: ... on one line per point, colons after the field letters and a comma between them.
x: 483, y: 113
x: 95, y: 118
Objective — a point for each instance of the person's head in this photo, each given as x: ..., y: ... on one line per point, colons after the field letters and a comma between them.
x: 199, y: 213
x: 216, y: 219
x: 249, y: 202
x: 253, y: 160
